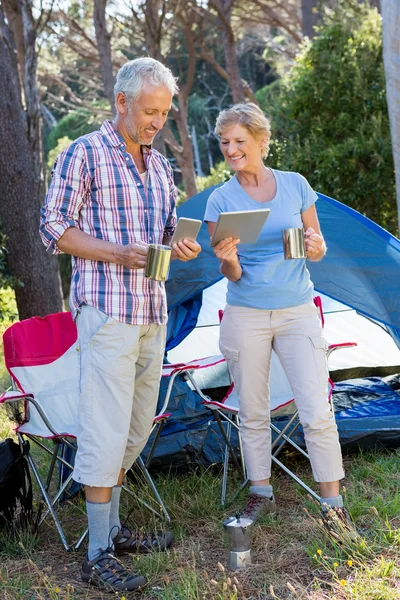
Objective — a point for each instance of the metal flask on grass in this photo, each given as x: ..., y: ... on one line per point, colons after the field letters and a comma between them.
x: 239, y: 534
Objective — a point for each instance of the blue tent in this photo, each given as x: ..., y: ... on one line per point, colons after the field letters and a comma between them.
x: 361, y: 268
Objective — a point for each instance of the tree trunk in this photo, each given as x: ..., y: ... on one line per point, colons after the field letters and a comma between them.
x: 103, y: 40
x: 391, y: 57
x: 310, y: 17
x: 155, y: 13
x: 39, y: 292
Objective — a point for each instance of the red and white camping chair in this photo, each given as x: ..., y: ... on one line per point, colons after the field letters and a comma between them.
x: 282, y: 405
x: 42, y: 358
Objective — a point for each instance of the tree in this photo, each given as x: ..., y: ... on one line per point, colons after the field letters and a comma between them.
x: 329, y: 115
x: 391, y: 56
x: 310, y: 16
x: 22, y: 180
x: 103, y: 38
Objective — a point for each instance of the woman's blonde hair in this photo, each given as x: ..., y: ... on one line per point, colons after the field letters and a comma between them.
x: 247, y: 115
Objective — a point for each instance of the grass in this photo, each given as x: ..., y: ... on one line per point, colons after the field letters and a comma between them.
x: 293, y: 556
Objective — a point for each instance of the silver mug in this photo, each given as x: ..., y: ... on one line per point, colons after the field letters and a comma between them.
x: 157, y: 263
x: 293, y: 243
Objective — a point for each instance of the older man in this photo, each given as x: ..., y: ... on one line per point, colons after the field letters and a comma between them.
x: 111, y: 195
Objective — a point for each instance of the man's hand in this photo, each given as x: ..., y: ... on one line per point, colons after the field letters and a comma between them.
x: 226, y: 250
x: 185, y: 250
x: 315, y: 245
x: 132, y: 256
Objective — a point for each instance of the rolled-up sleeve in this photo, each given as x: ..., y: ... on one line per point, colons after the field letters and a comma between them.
x: 173, y: 194
x: 68, y: 189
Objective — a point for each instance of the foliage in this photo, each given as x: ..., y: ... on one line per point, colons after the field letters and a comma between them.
x: 73, y: 125
x: 219, y: 174
x: 62, y: 144
x: 329, y: 115
x: 8, y: 308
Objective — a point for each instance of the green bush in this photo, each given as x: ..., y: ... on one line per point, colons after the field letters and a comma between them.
x: 72, y: 126
x: 8, y: 307
x: 219, y: 174
x: 329, y: 115
x: 62, y: 144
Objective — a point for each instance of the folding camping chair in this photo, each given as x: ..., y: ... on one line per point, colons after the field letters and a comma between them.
x: 228, y: 411
x: 42, y: 357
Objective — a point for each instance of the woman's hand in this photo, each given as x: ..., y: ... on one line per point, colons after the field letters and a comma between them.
x: 315, y: 245
x: 226, y: 250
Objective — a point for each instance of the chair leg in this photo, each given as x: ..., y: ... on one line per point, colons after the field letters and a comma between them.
x: 153, y: 489
x: 226, y: 466
x: 296, y: 479
x: 49, y: 503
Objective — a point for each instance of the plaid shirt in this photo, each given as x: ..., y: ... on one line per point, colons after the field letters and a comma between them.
x: 96, y: 187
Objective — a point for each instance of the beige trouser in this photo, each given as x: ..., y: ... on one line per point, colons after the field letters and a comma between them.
x: 120, y: 376
x: 246, y: 340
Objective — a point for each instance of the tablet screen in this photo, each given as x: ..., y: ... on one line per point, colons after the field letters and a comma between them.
x: 243, y: 224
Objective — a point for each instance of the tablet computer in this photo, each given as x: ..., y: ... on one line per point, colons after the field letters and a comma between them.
x: 186, y: 229
x: 243, y: 224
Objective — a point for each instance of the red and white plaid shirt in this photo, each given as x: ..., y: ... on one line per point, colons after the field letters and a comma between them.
x: 96, y: 187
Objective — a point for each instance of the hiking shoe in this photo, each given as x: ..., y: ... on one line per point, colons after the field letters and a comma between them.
x: 338, y: 521
x: 257, y: 506
x: 142, y: 542
x: 107, y: 572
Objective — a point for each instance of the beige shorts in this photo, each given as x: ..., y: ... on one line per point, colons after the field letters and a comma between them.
x: 119, y: 382
x: 246, y: 340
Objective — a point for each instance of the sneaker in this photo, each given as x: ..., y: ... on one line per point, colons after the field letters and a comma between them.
x: 137, y: 541
x: 257, y: 506
x: 107, y: 572
x: 338, y: 521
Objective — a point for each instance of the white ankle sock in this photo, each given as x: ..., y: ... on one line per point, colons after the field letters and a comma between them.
x: 98, y: 514
x: 115, y: 523
x: 266, y: 491
x: 333, y: 502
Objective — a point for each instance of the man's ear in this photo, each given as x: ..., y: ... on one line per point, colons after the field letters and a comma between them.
x: 121, y: 103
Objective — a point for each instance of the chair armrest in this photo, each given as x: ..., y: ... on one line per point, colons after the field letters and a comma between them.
x: 14, y: 396
x: 334, y: 347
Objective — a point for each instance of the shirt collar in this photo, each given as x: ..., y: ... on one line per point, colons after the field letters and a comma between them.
x: 117, y: 140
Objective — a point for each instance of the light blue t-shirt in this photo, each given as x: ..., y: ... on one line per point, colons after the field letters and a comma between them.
x: 268, y: 280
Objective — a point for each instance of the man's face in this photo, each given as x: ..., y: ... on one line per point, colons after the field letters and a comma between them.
x: 146, y: 115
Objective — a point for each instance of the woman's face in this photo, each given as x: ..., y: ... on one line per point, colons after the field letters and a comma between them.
x: 241, y: 150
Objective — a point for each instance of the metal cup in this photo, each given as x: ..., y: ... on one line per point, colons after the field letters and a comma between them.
x: 157, y: 263
x: 293, y: 243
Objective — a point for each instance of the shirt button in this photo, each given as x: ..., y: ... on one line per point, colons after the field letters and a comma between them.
x: 127, y: 158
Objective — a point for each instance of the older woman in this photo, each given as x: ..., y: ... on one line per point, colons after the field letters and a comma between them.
x: 270, y: 306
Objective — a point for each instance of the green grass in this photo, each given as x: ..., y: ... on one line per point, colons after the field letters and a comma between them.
x: 293, y: 556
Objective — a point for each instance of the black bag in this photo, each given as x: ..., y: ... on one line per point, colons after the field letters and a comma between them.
x: 15, y: 485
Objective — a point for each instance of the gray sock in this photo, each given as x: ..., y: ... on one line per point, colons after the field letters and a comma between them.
x: 98, y: 514
x: 334, y: 502
x: 115, y: 523
x: 262, y: 490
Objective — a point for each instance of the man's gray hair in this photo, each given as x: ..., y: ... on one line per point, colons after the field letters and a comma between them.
x: 135, y: 74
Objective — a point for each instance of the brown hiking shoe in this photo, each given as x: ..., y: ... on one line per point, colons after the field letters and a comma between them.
x: 257, y: 506
x: 107, y: 572
x: 127, y: 541
x: 338, y: 521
